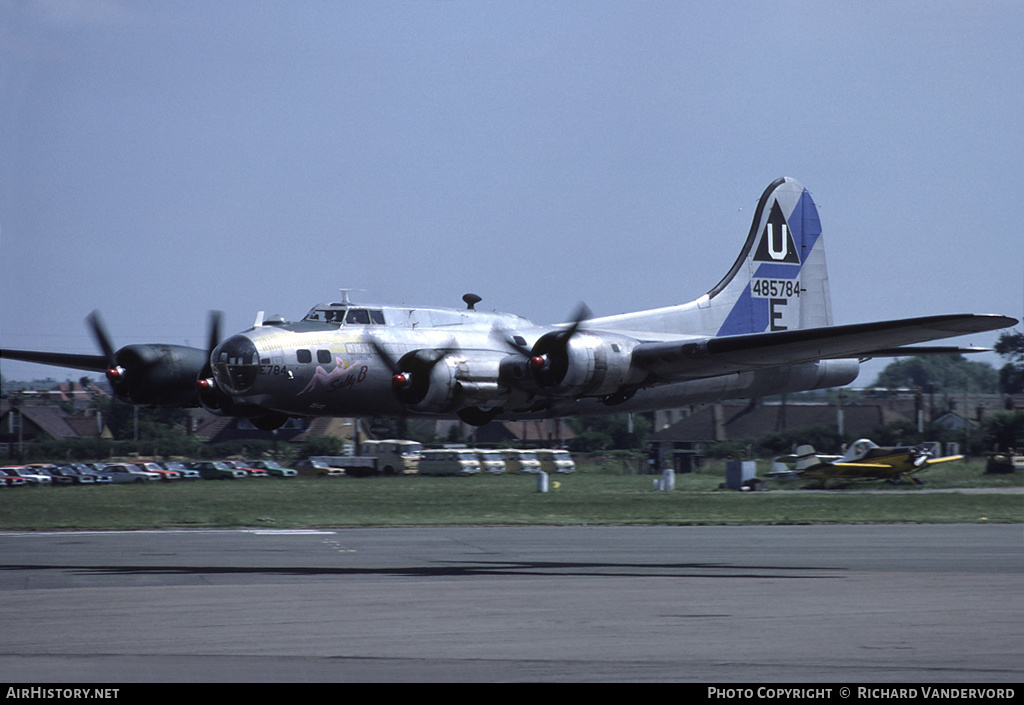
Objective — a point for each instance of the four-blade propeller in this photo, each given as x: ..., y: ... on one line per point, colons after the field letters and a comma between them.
x: 549, y: 358
x: 154, y: 374
x: 410, y: 374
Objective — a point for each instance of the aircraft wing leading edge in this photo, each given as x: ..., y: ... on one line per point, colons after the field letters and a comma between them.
x: 89, y: 363
x: 678, y: 360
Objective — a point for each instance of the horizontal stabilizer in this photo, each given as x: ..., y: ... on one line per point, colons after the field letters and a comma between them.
x: 676, y: 360
x: 914, y: 350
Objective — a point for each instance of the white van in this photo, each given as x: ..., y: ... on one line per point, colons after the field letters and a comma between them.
x: 556, y: 461
x: 492, y: 461
x: 522, y: 461
x: 449, y: 462
x: 394, y: 457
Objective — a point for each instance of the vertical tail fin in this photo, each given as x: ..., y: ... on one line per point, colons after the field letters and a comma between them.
x: 806, y: 458
x: 779, y: 281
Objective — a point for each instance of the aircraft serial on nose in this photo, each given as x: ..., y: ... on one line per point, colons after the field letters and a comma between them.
x: 765, y: 328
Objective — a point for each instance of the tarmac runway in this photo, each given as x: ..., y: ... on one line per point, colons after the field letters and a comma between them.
x: 750, y: 604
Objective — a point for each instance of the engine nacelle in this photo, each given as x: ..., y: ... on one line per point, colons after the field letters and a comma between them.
x: 582, y: 364
x: 425, y: 381
x: 435, y: 381
x: 157, y: 375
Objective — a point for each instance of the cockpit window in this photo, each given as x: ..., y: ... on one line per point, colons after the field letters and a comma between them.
x: 364, y: 317
x: 359, y: 316
x: 326, y: 315
x: 351, y: 316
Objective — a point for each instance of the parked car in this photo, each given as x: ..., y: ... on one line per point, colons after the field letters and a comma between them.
x: 7, y: 480
x: 28, y: 474
x: 72, y: 472
x: 85, y: 470
x: 122, y: 473
x: 96, y: 470
x: 249, y: 470
x: 180, y: 468
x: 97, y: 477
x: 273, y: 468
x: 165, y: 474
x: 315, y: 467
x: 216, y: 470
x: 49, y: 469
x: 46, y: 469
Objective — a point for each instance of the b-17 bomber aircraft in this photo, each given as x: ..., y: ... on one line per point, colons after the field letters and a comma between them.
x: 765, y: 328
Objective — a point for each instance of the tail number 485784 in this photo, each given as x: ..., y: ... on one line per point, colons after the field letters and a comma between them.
x: 775, y: 288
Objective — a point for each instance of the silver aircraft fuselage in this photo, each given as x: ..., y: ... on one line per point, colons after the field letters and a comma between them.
x: 325, y: 365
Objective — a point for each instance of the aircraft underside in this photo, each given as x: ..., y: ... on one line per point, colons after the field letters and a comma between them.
x: 766, y: 382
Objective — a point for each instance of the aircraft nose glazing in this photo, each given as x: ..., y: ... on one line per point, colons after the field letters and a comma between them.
x: 236, y: 365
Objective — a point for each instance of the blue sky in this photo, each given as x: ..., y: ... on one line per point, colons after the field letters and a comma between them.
x: 162, y: 159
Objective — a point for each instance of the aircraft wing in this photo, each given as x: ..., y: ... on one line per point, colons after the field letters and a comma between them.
x: 681, y: 360
x: 90, y: 363
x: 946, y: 459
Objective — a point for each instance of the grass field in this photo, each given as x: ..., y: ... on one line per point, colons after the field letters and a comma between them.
x: 598, y: 493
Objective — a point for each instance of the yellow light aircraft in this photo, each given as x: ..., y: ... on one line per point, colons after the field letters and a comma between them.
x: 863, y: 460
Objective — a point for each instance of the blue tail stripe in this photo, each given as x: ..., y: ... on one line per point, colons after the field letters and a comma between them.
x: 777, y: 271
x: 748, y: 315
x: 805, y: 225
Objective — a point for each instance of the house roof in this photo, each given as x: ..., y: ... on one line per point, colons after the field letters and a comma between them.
x: 72, y: 391
x: 51, y: 420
